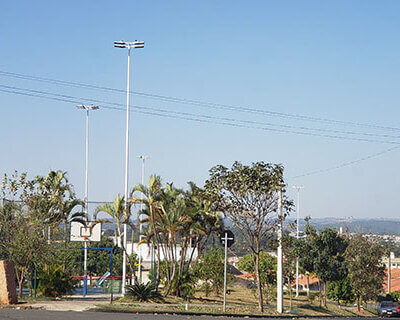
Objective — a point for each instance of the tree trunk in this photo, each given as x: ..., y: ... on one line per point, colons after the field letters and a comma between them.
x: 308, y: 284
x: 258, y: 280
x: 20, y: 285
x: 358, y: 304
x: 325, y: 294
x: 319, y: 293
x: 290, y: 295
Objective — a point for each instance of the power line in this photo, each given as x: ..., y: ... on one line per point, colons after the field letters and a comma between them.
x: 219, y: 118
x: 196, y: 102
x: 187, y: 116
x: 346, y: 164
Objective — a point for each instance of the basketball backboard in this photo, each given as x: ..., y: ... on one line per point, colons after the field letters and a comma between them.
x: 90, y: 232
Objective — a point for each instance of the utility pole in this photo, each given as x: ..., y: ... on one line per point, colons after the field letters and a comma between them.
x: 139, y: 216
x: 129, y: 46
x: 298, y: 188
x: 279, y: 269
x: 87, y: 109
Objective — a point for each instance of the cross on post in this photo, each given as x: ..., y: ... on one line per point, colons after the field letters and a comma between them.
x: 227, y: 238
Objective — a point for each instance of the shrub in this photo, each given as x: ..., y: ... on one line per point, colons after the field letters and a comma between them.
x: 143, y: 292
x: 54, y: 282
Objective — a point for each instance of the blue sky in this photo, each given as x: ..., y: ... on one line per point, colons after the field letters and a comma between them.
x: 336, y: 60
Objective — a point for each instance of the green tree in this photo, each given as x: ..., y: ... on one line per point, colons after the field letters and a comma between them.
x: 248, y: 196
x: 267, y: 269
x: 322, y: 253
x: 341, y: 291
x: 366, y: 272
x: 116, y: 211
x: 176, y: 222
x: 210, y: 270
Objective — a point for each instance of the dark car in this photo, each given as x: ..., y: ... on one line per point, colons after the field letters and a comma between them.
x: 389, y: 309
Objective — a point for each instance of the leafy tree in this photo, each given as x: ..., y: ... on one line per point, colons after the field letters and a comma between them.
x: 322, y: 253
x: 210, y: 270
x: 289, y: 263
x: 366, y: 272
x: 98, y: 261
x: 21, y: 230
x: 267, y: 269
x: 248, y: 196
x: 341, y: 291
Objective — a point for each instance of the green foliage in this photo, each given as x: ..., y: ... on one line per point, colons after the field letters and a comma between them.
x: 341, y: 291
x: 247, y: 194
x: 366, y: 273
x: 322, y: 253
x: 175, y: 218
x: 98, y: 263
x: 54, y: 282
x: 210, y: 270
x: 143, y: 292
x: 184, y: 285
x: 267, y: 267
x: 394, y: 296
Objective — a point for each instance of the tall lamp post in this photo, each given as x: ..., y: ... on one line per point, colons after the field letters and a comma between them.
x: 298, y: 188
x: 128, y: 45
x: 88, y: 108
x: 143, y: 158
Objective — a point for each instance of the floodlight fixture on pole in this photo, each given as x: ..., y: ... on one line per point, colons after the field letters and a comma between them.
x: 298, y: 188
x: 87, y: 108
x: 143, y: 158
x: 128, y: 45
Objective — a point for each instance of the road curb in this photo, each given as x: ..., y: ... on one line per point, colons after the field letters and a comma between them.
x: 229, y: 315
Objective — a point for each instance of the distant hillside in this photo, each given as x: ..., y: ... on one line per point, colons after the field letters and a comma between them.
x: 375, y: 226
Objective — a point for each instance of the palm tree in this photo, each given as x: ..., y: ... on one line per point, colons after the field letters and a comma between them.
x: 174, y: 217
x: 67, y: 214
x: 53, y: 189
x: 116, y: 211
x: 151, y: 198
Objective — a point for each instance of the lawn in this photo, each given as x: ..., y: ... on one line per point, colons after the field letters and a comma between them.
x: 239, y: 301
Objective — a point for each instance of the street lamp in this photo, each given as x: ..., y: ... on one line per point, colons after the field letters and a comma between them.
x: 298, y: 188
x: 143, y: 158
x: 87, y: 108
x: 128, y: 45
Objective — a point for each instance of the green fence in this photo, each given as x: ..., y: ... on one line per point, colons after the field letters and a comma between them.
x: 113, y: 286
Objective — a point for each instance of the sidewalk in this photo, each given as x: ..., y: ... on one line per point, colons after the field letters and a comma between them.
x: 77, y: 303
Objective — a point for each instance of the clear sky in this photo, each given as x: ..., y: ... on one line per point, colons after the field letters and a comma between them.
x: 327, y: 59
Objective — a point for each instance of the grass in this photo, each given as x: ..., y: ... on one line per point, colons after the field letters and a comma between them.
x: 239, y: 301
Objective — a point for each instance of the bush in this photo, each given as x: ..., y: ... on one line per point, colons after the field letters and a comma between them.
x: 143, y: 292
x: 395, y: 295
x: 54, y: 282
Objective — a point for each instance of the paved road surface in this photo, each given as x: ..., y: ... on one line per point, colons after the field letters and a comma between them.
x: 11, y: 314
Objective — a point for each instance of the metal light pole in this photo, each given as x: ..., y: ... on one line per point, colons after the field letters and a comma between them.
x: 129, y: 46
x: 87, y: 108
x: 140, y: 225
x: 298, y: 188
x: 279, y: 269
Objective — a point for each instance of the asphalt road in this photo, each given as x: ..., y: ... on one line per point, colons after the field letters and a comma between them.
x: 12, y: 314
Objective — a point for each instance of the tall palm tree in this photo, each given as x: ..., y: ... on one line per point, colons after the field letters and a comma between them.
x: 53, y: 190
x: 68, y: 215
x: 116, y: 211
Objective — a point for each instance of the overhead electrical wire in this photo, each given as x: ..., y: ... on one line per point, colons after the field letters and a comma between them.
x: 191, y: 116
x: 219, y: 118
x: 196, y: 102
x: 345, y: 164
